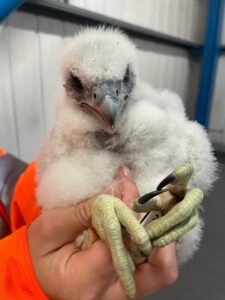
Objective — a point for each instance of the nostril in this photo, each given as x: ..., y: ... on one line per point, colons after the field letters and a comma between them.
x: 117, y: 92
x: 95, y: 96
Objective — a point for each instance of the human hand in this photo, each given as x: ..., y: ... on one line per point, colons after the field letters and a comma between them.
x: 64, y: 272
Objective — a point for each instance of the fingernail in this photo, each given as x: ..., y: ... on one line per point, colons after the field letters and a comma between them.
x: 127, y: 172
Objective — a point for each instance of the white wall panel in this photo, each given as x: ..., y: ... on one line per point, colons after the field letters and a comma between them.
x: 78, y: 3
x: 95, y: 6
x: 217, y: 120
x: 26, y: 82
x: 181, y: 18
x: 113, y: 9
x: 128, y: 11
x: 144, y: 16
x: 165, y: 71
x: 164, y: 67
x: 8, y: 134
x: 51, y: 43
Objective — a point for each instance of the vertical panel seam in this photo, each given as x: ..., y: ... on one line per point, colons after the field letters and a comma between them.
x: 13, y: 91
x: 41, y: 75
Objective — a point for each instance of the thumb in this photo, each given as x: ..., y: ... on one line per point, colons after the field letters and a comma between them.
x: 57, y: 227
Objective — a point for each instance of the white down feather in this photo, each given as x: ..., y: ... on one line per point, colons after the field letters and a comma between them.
x: 154, y: 132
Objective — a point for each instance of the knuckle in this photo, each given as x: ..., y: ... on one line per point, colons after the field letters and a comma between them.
x: 82, y: 213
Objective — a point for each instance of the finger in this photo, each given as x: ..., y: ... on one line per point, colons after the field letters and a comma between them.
x: 96, y: 261
x: 128, y: 189
x: 57, y: 227
x: 159, y: 271
x: 163, y: 258
x: 176, y: 232
x: 176, y: 215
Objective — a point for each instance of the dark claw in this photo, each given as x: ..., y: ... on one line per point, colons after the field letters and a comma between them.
x: 143, y: 199
x: 169, y: 179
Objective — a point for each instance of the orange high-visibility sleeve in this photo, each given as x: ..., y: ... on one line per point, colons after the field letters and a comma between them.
x: 24, y: 208
x: 17, y: 277
x: 2, y: 152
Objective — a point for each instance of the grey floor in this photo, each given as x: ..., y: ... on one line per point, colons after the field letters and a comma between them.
x: 204, y: 276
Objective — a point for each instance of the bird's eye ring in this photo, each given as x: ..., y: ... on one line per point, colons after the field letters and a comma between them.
x: 76, y: 83
x: 126, y: 76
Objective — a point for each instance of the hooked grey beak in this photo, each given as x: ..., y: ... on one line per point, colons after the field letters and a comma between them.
x: 106, y: 101
x: 106, y: 111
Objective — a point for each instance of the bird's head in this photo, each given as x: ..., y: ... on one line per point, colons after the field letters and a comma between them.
x: 99, y: 71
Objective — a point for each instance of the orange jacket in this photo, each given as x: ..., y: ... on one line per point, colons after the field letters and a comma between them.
x: 24, y: 208
x: 17, y: 278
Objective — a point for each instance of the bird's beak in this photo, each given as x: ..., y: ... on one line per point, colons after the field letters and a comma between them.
x: 106, y: 101
x: 106, y: 111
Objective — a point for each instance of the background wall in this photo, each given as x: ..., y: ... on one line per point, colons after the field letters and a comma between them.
x: 30, y: 46
x: 217, y: 122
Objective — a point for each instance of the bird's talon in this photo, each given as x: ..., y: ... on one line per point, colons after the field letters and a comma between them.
x: 143, y: 199
x: 180, y: 176
x: 171, y: 178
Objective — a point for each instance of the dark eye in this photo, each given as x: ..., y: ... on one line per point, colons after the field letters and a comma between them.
x: 76, y: 83
x: 126, y: 76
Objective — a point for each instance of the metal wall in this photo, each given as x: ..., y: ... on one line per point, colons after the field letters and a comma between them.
x: 217, y: 121
x: 181, y: 18
x: 31, y: 45
x: 29, y: 53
